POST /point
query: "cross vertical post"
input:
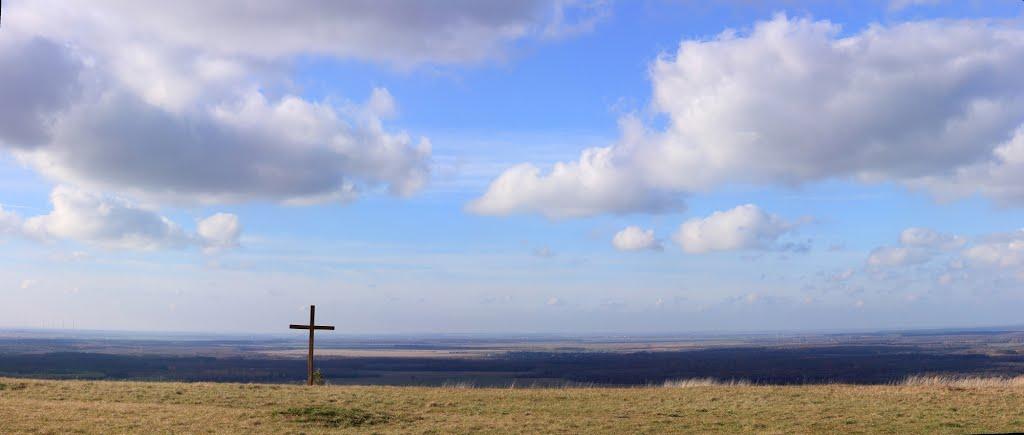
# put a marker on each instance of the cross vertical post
(309, 359)
(311, 327)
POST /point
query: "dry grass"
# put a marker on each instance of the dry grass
(36, 406)
(963, 381)
(705, 382)
(458, 385)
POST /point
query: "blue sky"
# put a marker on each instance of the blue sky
(783, 166)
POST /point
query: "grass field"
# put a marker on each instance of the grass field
(922, 406)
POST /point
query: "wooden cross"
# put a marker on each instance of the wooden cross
(312, 326)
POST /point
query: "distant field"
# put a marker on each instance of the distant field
(39, 406)
(880, 358)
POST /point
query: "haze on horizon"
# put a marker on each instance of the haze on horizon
(562, 166)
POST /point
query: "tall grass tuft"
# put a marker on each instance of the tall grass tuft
(705, 382)
(962, 381)
(318, 378)
(461, 385)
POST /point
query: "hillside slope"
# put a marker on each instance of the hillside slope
(38, 406)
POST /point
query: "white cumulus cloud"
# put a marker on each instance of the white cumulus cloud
(633, 238)
(111, 222)
(191, 101)
(220, 231)
(1004, 251)
(743, 227)
(595, 184)
(117, 223)
(916, 246)
(930, 104)
(928, 238)
(232, 143)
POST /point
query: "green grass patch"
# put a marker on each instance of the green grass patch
(13, 387)
(333, 416)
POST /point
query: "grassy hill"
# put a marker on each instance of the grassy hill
(42, 406)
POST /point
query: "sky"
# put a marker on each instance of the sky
(537, 166)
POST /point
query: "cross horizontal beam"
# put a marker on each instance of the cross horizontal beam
(329, 328)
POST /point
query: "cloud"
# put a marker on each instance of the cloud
(543, 252)
(898, 5)
(843, 275)
(988, 262)
(10, 222)
(634, 238)
(593, 185)
(1000, 177)
(109, 222)
(220, 231)
(38, 78)
(573, 17)
(291, 150)
(187, 139)
(929, 104)
(1004, 251)
(756, 299)
(927, 238)
(116, 223)
(743, 227)
(395, 32)
(121, 97)
(916, 246)
(893, 256)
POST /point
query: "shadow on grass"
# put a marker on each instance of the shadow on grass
(332, 416)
